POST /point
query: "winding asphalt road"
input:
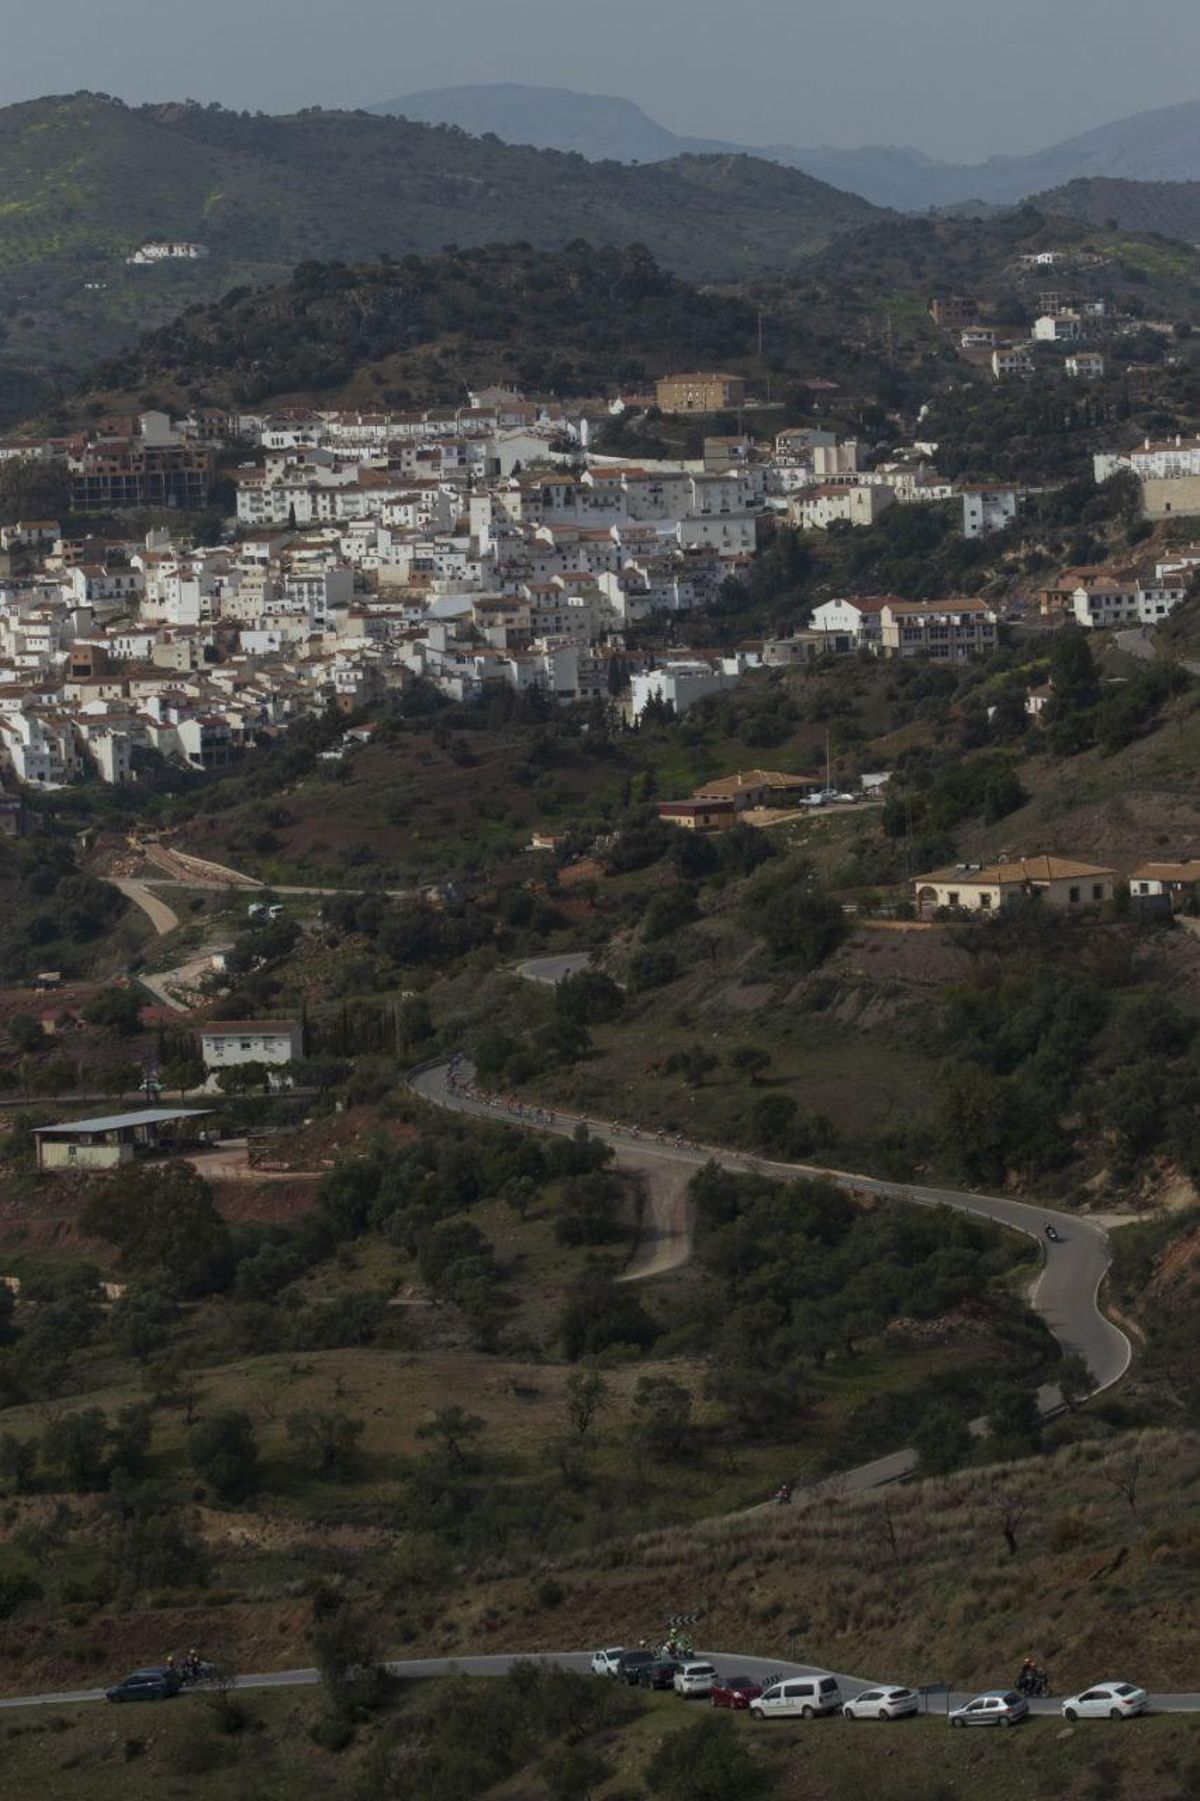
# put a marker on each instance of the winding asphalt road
(1066, 1296)
(1067, 1292)
(728, 1662)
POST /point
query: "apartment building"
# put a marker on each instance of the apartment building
(700, 393)
(949, 630)
(1011, 362)
(115, 474)
(952, 309)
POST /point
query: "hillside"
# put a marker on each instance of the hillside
(1171, 208)
(1162, 145)
(87, 180)
(585, 319)
(573, 321)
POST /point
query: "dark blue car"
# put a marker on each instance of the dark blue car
(158, 1682)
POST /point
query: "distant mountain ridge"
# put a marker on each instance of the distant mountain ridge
(1162, 145)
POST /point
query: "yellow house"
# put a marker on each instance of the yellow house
(757, 788)
(986, 887)
(698, 815)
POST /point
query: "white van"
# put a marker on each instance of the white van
(806, 1696)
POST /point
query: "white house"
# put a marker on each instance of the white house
(680, 684)
(987, 510)
(1104, 606)
(816, 509)
(851, 623)
(1085, 365)
(1152, 461)
(1057, 328)
(233, 1043)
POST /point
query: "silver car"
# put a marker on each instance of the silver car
(1004, 1707)
(882, 1704)
(1106, 1701)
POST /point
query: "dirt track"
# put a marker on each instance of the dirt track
(665, 1240)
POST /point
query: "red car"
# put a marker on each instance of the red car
(735, 1691)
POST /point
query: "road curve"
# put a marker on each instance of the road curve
(728, 1662)
(1067, 1292)
(1141, 645)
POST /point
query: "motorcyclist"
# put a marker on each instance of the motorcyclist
(1027, 1680)
(783, 1493)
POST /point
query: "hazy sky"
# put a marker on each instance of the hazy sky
(958, 78)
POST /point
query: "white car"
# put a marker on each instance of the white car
(695, 1679)
(604, 1663)
(882, 1704)
(1106, 1701)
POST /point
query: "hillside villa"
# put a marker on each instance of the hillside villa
(986, 887)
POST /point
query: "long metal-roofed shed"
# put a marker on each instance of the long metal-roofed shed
(120, 1138)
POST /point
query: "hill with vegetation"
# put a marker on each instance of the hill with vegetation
(87, 180)
(586, 319)
(572, 321)
(1170, 208)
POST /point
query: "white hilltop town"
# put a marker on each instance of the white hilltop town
(463, 546)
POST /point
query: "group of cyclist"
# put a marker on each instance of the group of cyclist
(190, 1667)
(459, 1086)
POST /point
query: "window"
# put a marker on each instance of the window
(1097, 891)
(1073, 897)
(952, 898)
(985, 901)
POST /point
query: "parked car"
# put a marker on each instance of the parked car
(802, 1696)
(604, 1663)
(659, 1674)
(1106, 1701)
(1004, 1708)
(630, 1664)
(158, 1682)
(735, 1691)
(694, 1679)
(882, 1704)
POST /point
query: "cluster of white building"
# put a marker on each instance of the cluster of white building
(465, 546)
